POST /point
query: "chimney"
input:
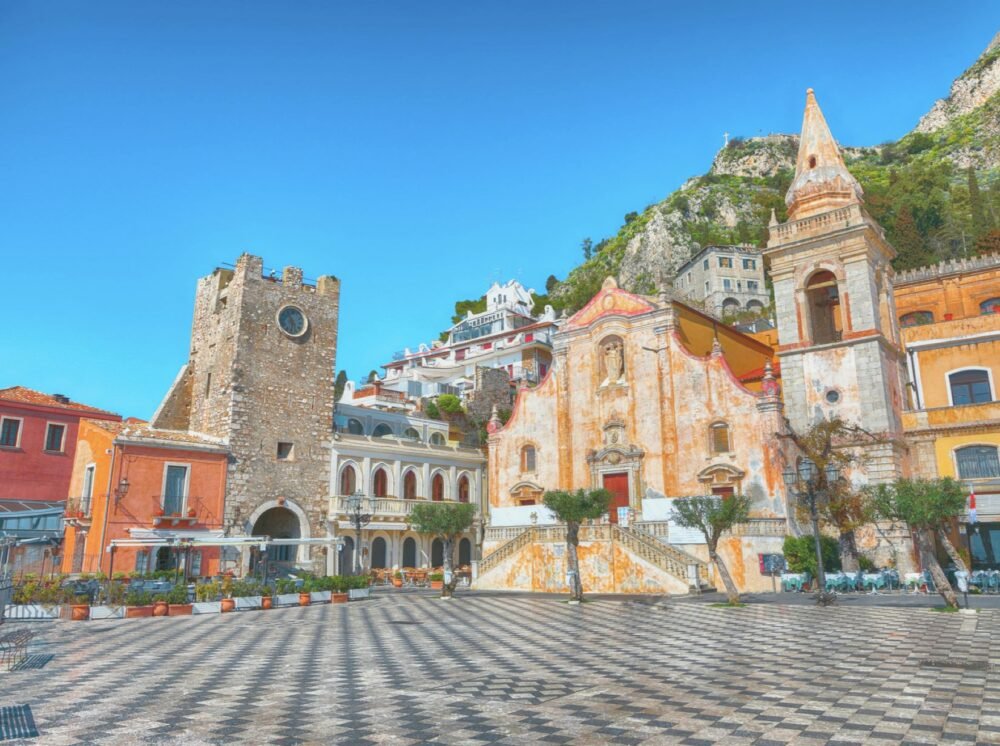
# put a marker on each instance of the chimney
(61, 398)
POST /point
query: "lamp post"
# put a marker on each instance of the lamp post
(807, 481)
(359, 510)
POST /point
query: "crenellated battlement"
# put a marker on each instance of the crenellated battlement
(947, 268)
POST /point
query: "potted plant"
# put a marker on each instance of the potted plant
(265, 601)
(287, 593)
(138, 604)
(358, 588)
(437, 580)
(79, 610)
(397, 579)
(191, 513)
(305, 597)
(178, 601)
(246, 594)
(320, 590)
(161, 606)
(114, 602)
(207, 599)
(340, 585)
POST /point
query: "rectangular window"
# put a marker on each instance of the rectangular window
(195, 568)
(88, 488)
(174, 488)
(749, 264)
(10, 432)
(970, 387)
(208, 384)
(727, 284)
(726, 262)
(142, 561)
(706, 286)
(285, 451)
(752, 286)
(54, 438)
(704, 264)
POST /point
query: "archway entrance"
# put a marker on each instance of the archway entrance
(409, 552)
(437, 553)
(378, 552)
(617, 485)
(464, 552)
(279, 523)
(346, 558)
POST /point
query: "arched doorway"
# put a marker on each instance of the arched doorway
(378, 552)
(347, 556)
(464, 552)
(437, 488)
(409, 552)
(463, 489)
(279, 523)
(437, 553)
(348, 480)
(410, 485)
(380, 483)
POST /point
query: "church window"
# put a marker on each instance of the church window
(720, 438)
(409, 486)
(528, 458)
(833, 396)
(824, 307)
(990, 306)
(916, 318)
(977, 462)
(970, 387)
(812, 161)
(380, 483)
(348, 480)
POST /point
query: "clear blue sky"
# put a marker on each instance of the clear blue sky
(417, 150)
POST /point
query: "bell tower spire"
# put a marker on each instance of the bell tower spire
(822, 181)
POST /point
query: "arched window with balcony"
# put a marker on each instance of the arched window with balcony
(354, 427)
(977, 462)
(437, 439)
(463, 489)
(916, 318)
(411, 434)
(970, 386)
(348, 480)
(410, 485)
(528, 458)
(382, 431)
(719, 438)
(823, 299)
(380, 482)
(437, 488)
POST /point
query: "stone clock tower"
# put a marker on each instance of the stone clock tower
(260, 375)
(839, 341)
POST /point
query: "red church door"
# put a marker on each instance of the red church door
(617, 485)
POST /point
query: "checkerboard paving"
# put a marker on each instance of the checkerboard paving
(411, 669)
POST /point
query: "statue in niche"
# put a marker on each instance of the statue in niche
(613, 361)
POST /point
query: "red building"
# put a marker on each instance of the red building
(38, 434)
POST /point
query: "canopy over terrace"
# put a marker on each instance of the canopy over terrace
(150, 539)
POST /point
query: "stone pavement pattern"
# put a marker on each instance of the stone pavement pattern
(411, 669)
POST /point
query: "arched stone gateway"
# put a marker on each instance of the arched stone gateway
(282, 519)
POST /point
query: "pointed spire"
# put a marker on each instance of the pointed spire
(822, 181)
(774, 219)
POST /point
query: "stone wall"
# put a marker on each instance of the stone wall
(492, 388)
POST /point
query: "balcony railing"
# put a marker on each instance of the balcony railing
(78, 509)
(384, 507)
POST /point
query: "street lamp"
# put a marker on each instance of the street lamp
(359, 511)
(804, 481)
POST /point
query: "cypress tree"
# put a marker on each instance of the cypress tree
(979, 224)
(908, 241)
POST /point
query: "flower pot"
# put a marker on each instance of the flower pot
(227, 604)
(437, 585)
(338, 598)
(181, 609)
(160, 608)
(265, 602)
(135, 612)
(304, 599)
(397, 582)
(79, 612)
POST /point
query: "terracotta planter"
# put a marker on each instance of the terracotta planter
(437, 585)
(134, 612)
(79, 612)
(265, 602)
(228, 604)
(397, 582)
(338, 598)
(160, 608)
(181, 609)
(304, 599)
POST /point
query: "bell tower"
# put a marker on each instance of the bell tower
(839, 341)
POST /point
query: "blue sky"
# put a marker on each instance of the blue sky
(417, 150)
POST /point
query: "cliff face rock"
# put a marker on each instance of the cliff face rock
(756, 157)
(973, 89)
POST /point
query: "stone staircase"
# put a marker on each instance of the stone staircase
(505, 550)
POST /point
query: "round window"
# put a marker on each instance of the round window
(833, 396)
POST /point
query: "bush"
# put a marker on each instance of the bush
(284, 586)
(435, 577)
(450, 404)
(800, 554)
(865, 564)
(432, 411)
(138, 598)
(207, 592)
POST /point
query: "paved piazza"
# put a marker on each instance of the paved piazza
(408, 669)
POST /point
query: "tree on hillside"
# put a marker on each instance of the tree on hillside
(928, 506)
(550, 283)
(587, 246)
(446, 521)
(908, 242)
(713, 516)
(338, 385)
(572, 508)
(989, 242)
(980, 224)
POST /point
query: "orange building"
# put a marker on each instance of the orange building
(131, 481)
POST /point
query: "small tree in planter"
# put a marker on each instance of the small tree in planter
(446, 521)
(927, 506)
(572, 508)
(712, 516)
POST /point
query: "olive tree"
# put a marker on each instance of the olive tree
(713, 516)
(446, 521)
(927, 506)
(572, 508)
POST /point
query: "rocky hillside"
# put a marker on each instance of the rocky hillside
(936, 191)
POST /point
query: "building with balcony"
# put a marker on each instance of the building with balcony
(506, 335)
(725, 280)
(397, 460)
(133, 481)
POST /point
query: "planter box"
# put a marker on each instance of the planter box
(247, 602)
(107, 612)
(32, 611)
(80, 612)
(206, 607)
(358, 594)
(135, 612)
(286, 599)
(319, 597)
(437, 585)
(338, 598)
(180, 610)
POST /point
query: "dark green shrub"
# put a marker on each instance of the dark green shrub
(800, 554)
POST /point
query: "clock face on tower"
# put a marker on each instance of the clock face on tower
(292, 321)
